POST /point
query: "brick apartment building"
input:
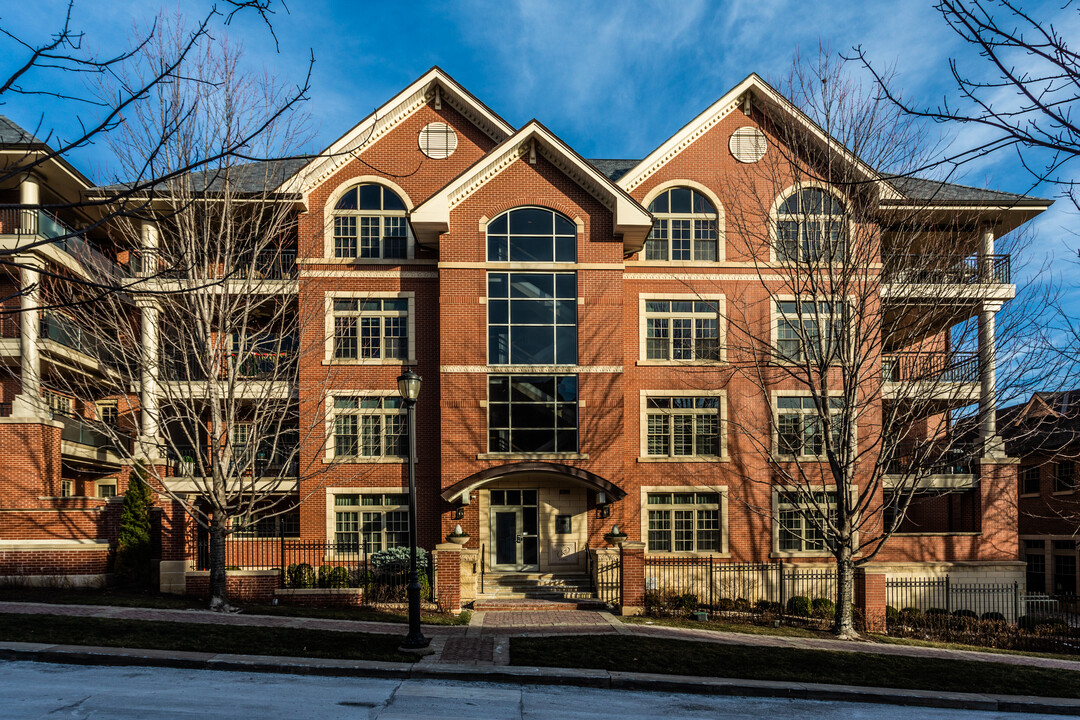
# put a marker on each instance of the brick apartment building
(562, 312)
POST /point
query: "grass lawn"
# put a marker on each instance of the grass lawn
(721, 626)
(685, 657)
(145, 634)
(369, 614)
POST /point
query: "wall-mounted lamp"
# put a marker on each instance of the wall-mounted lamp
(459, 513)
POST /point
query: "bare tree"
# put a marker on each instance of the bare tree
(209, 328)
(865, 294)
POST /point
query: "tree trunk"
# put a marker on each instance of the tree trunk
(219, 598)
(844, 626)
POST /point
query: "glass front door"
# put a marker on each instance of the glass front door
(515, 525)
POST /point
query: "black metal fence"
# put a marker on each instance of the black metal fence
(305, 565)
(942, 595)
(706, 583)
(605, 571)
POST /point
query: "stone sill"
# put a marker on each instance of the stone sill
(690, 459)
(532, 456)
(939, 534)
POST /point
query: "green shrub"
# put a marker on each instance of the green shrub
(767, 607)
(963, 613)
(892, 615)
(300, 576)
(333, 576)
(910, 613)
(688, 602)
(993, 616)
(726, 604)
(799, 605)
(822, 608)
(937, 611)
(742, 605)
(397, 559)
(132, 565)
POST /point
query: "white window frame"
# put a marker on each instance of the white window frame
(330, 213)
(778, 317)
(57, 402)
(776, 450)
(332, 414)
(111, 483)
(333, 508)
(775, 217)
(719, 219)
(330, 328)
(644, 411)
(1037, 471)
(67, 488)
(721, 507)
(643, 325)
(777, 509)
(102, 406)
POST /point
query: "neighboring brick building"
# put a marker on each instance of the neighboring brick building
(570, 320)
(1044, 433)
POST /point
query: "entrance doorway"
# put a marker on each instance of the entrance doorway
(515, 530)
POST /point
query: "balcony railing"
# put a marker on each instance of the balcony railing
(83, 431)
(185, 463)
(932, 460)
(264, 265)
(17, 221)
(937, 270)
(63, 330)
(954, 367)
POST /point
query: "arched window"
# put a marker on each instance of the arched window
(369, 222)
(531, 234)
(685, 227)
(810, 227)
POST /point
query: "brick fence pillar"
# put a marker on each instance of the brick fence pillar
(632, 578)
(870, 599)
(448, 576)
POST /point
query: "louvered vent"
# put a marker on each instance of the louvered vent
(748, 144)
(438, 140)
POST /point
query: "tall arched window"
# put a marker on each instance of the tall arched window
(810, 227)
(685, 227)
(531, 234)
(369, 222)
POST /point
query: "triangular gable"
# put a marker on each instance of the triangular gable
(434, 85)
(632, 221)
(770, 100)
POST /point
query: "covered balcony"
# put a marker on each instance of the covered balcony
(63, 245)
(938, 380)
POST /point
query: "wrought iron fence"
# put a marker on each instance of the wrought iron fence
(605, 572)
(306, 565)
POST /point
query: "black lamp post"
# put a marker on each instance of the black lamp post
(409, 388)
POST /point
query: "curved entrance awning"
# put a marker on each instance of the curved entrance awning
(565, 472)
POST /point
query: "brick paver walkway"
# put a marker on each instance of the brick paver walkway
(485, 641)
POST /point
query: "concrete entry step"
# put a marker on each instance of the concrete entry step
(534, 604)
(520, 591)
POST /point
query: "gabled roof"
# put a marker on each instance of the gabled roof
(13, 134)
(432, 217)
(254, 178)
(401, 106)
(768, 98)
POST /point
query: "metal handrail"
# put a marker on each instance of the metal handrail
(949, 270)
(930, 367)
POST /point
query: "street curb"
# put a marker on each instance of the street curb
(85, 655)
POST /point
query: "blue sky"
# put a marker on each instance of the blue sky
(613, 79)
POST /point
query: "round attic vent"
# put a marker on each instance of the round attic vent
(438, 140)
(748, 144)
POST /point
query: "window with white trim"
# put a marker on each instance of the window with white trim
(682, 426)
(107, 411)
(369, 222)
(1030, 480)
(268, 523)
(684, 522)
(371, 521)
(685, 227)
(60, 404)
(371, 329)
(67, 488)
(531, 234)
(810, 227)
(801, 519)
(682, 330)
(369, 426)
(799, 427)
(106, 488)
(1064, 477)
(805, 330)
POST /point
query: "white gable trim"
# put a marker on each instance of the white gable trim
(390, 115)
(720, 109)
(432, 217)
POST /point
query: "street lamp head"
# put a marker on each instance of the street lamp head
(408, 386)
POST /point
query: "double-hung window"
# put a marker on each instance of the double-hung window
(1030, 480)
(682, 329)
(372, 521)
(682, 426)
(800, 430)
(685, 227)
(802, 521)
(531, 414)
(371, 329)
(1064, 479)
(684, 522)
(369, 222)
(369, 426)
(806, 330)
(810, 228)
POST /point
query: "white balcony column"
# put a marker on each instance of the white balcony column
(29, 403)
(150, 241)
(29, 194)
(986, 253)
(991, 442)
(148, 379)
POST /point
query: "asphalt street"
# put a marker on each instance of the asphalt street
(41, 690)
